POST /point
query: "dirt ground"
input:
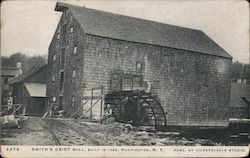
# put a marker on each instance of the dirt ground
(55, 131)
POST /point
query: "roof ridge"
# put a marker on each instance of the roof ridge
(134, 29)
(162, 23)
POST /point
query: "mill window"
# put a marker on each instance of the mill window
(54, 99)
(71, 29)
(54, 57)
(74, 73)
(75, 50)
(60, 100)
(58, 35)
(139, 67)
(61, 80)
(73, 100)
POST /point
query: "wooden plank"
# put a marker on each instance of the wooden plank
(80, 107)
(90, 108)
(15, 110)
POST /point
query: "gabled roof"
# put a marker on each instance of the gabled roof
(36, 89)
(26, 74)
(9, 71)
(132, 29)
(237, 92)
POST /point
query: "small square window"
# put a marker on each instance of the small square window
(71, 29)
(58, 35)
(74, 73)
(73, 100)
(75, 50)
(139, 66)
(54, 57)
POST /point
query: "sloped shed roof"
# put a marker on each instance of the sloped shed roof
(26, 74)
(238, 91)
(36, 89)
(127, 28)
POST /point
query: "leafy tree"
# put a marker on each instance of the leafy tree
(240, 71)
(236, 67)
(27, 61)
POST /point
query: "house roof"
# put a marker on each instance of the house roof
(26, 74)
(237, 92)
(132, 29)
(9, 71)
(36, 89)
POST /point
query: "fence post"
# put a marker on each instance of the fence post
(91, 102)
(102, 96)
(138, 105)
(14, 109)
(24, 109)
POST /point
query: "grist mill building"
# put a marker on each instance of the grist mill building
(184, 71)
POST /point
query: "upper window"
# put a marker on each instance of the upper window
(139, 66)
(61, 80)
(75, 50)
(74, 73)
(71, 29)
(73, 100)
(58, 35)
(54, 57)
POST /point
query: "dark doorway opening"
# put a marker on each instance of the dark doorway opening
(60, 103)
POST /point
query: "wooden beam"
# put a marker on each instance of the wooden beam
(80, 107)
(91, 102)
(15, 110)
(102, 95)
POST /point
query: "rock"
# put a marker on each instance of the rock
(9, 121)
(167, 134)
(153, 143)
(145, 138)
(159, 144)
(185, 142)
(141, 133)
(166, 141)
(205, 142)
(128, 127)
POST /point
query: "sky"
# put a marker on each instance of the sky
(28, 26)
